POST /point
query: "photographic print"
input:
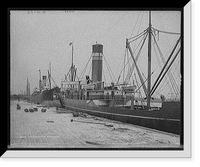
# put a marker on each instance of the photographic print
(91, 80)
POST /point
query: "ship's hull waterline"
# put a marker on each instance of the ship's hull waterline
(165, 119)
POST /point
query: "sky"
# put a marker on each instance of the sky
(40, 37)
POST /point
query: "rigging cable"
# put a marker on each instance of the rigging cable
(104, 75)
(130, 57)
(138, 71)
(109, 70)
(166, 32)
(153, 90)
(166, 79)
(89, 70)
(53, 80)
(146, 79)
(138, 28)
(163, 60)
(138, 31)
(112, 26)
(171, 78)
(166, 84)
(137, 57)
(143, 82)
(137, 36)
(136, 23)
(173, 74)
(83, 72)
(140, 94)
(124, 64)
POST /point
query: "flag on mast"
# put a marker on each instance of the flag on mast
(70, 43)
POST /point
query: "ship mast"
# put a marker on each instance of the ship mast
(72, 68)
(149, 64)
(148, 89)
(40, 82)
(72, 53)
(49, 75)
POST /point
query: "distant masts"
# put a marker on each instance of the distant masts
(28, 88)
(40, 82)
(72, 69)
(49, 75)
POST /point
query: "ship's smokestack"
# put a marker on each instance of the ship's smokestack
(44, 81)
(97, 51)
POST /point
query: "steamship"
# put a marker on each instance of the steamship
(123, 102)
(44, 95)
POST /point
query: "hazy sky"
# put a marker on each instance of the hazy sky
(40, 37)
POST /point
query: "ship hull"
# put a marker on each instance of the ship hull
(46, 95)
(166, 119)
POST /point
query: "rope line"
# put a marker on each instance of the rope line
(171, 78)
(112, 26)
(137, 57)
(83, 72)
(166, 32)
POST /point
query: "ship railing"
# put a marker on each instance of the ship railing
(173, 97)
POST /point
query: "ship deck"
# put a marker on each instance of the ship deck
(59, 129)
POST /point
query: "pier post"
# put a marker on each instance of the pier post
(132, 102)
